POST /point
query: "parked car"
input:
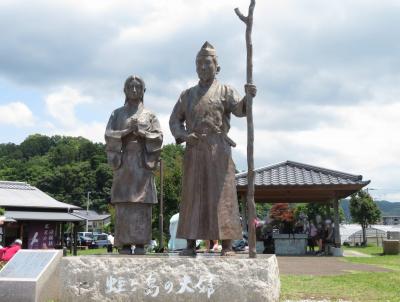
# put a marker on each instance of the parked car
(86, 241)
(100, 240)
(86, 234)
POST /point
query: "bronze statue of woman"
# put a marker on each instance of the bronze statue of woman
(133, 144)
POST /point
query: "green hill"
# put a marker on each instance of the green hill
(387, 208)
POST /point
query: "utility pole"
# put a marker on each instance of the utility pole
(87, 211)
(161, 214)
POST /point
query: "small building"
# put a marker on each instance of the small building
(391, 220)
(94, 222)
(33, 216)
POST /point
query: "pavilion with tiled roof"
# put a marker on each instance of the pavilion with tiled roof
(294, 182)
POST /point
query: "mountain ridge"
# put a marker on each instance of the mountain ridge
(387, 208)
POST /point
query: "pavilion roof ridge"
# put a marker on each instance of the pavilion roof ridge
(306, 167)
(16, 194)
(16, 185)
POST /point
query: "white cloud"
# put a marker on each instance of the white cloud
(61, 105)
(16, 114)
(327, 72)
(364, 141)
(387, 196)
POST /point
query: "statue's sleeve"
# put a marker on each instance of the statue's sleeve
(177, 121)
(235, 103)
(153, 138)
(111, 132)
(113, 143)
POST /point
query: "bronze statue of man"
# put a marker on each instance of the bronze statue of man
(133, 144)
(201, 118)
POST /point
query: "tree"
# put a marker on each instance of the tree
(262, 210)
(35, 144)
(282, 216)
(11, 151)
(364, 211)
(172, 156)
(313, 209)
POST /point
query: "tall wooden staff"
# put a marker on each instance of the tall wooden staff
(250, 130)
(161, 214)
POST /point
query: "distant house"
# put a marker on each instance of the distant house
(33, 216)
(391, 220)
(94, 222)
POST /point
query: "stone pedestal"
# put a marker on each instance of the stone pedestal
(290, 244)
(169, 278)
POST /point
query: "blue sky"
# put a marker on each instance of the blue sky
(327, 72)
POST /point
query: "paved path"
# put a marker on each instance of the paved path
(350, 253)
(320, 266)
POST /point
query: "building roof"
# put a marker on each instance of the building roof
(6, 219)
(291, 181)
(42, 216)
(297, 174)
(21, 194)
(90, 215)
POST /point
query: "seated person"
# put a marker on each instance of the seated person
(8, 252)
(312, 237)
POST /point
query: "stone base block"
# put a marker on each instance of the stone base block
(391, 247)
(169, 278)
(290, 244)
(336, 252)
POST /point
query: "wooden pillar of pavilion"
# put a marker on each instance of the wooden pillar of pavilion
(75, 240)
(336, 221)
(244, 212)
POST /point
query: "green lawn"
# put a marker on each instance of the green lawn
(98, 251)
(372, 250)
(387, 261)
(355, 286)
(390, 262)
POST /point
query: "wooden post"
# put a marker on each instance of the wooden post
(21, 232)
(71, 237)
(161, 214)
(62, 235)
(244, 212)
(250, 130)
(75, 252)
(336, 221)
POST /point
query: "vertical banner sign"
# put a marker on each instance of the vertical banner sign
(41, 235)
